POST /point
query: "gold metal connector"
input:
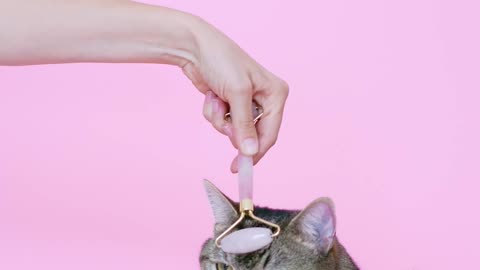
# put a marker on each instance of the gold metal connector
(243, 214)
(246, 205)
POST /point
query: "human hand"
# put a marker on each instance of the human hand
(231, 80)
(141, 33)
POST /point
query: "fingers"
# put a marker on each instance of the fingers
(219, 109)
(269, 125)
(207, 105)
(240, 101)
(251, 140)
(268, 129)
(214, 110)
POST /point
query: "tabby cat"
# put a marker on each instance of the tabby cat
(307, 240)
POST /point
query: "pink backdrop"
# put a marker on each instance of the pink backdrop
(383, 117)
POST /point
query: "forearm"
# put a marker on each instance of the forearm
(49, 31)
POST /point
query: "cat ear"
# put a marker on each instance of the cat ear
(223, 208)
(315, 225)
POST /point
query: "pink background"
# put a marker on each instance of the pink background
(383, 117)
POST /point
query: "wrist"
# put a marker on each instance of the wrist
(156, 34)
(174, 36)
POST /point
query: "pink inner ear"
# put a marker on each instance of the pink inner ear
(318, 224)
(223, 210)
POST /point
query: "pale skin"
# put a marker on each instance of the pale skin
(121, 31)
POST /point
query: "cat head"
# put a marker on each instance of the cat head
(307, 240)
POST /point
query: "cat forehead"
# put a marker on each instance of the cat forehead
(271, 214)
(279, 254)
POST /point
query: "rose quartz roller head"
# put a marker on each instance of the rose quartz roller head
(249, 239)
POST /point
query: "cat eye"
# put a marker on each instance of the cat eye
(222, 266)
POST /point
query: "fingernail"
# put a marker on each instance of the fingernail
(228, 130)
(208, 110)
(215, 106)
(234, 167)
(208, 105)
(209, 96)
(249, 147)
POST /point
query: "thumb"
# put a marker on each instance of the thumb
(244, 130)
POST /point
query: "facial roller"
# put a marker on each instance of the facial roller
(248, 239)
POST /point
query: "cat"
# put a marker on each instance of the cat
(307, 240)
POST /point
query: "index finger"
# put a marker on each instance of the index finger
(245, 134)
